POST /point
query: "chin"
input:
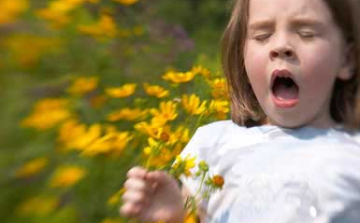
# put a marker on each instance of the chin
(290, 124)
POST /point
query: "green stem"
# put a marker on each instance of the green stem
(148, 162)
(201, 184)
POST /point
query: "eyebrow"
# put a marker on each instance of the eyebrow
(301, 22)
(265, 24)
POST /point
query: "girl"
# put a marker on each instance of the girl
(293, 73)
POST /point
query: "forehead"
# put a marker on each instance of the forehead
(285, 9)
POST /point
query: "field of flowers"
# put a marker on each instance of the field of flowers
(90, 88)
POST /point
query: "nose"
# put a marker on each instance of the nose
(282, 49)
(282, 53)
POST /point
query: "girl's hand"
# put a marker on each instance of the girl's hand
(152, 196)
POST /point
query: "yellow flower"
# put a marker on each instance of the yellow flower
(112, 141)
(151, 129)
(181, 135)
(105, 27)
(67, 176)
(47, 113)
(183, 166)
(73, 135)
(39, 205)
(201, 70)
(83, 85)
(179, 77)
(58, 11)
(36, 47)
(192, 104)
(166, 112)
(11, 9)
(155, 90)
(158, 155)
(57, 19)
(127, 2)
(127, 114)
(32, 167)
(112, 220)
(220, 108)
(219, 89)
(191, 218)
(121, 92)
(115, 198)
(152, 147)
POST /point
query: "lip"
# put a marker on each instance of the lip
(289, 103)
(281, 73)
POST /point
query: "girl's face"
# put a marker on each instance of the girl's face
(293, 54)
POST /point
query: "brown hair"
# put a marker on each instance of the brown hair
(246, 110)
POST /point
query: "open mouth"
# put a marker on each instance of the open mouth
(284, 89)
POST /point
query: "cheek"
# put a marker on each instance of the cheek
(324, 65)
(255, 65)
(319, 72)
(322, 59)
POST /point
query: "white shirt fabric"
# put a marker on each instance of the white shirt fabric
(278, 175)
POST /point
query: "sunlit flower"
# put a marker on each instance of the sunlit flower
(155, 90)
(181, 134)
(105, 27)
(183, 166)
(192, 104)
(158, 155)
(112, 141)
(40, 205)
(127, 114)
(83, 85)
(126, 2)
(179, 77)
(153, 145)
(220, 108)
(166, 112)
(191, 218)
(32, 167)
(11, 9)
(124, 91)
(47, 113)
(73, 135)
(201, 70)
(58, 11)
(219, 89)
(146, 128)
(67, 176)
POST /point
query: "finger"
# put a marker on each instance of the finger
(135, 197)
(130, 210)
(136, 184)
(137, 172)
(159, 177)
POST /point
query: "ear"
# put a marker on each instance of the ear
(348, 67)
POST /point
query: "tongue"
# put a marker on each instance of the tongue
(284, 92)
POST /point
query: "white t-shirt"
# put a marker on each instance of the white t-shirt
(278, 175)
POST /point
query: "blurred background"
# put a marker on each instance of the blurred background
(89, 88)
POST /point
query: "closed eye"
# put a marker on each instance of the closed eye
(306, 34)
(262, 37)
